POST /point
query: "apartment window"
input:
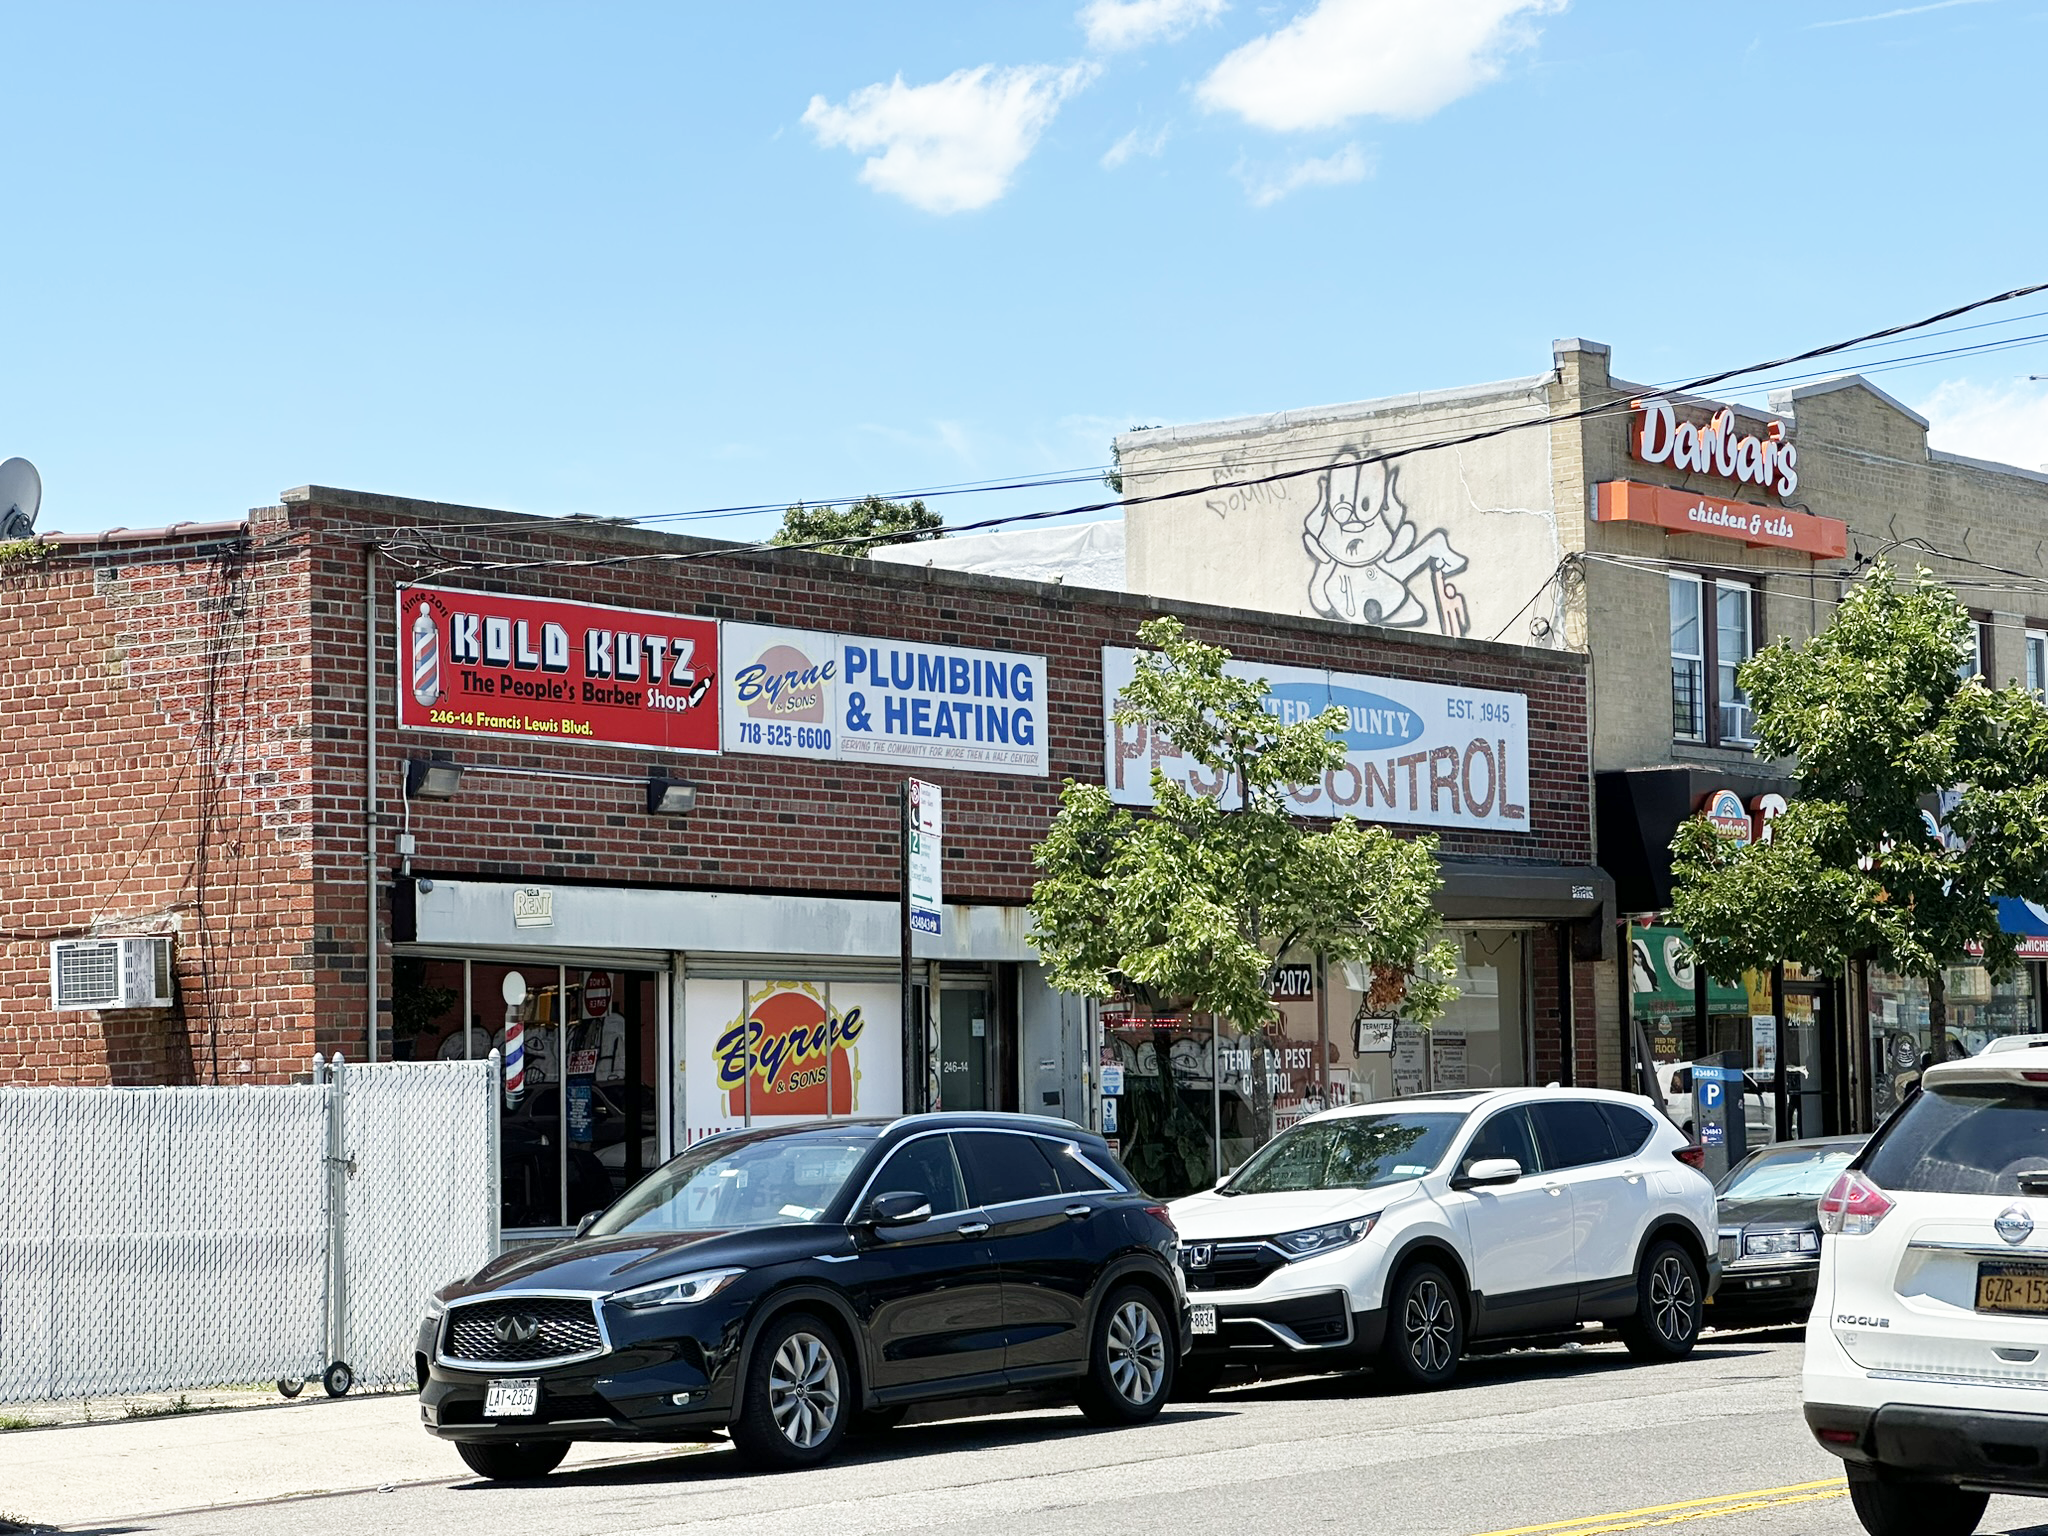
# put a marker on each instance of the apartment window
(1979, 664)
(2037, 664)
(1713, 632)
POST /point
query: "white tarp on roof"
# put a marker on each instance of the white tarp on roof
(1079, 554)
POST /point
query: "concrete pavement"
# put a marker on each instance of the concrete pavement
(1566, 1443)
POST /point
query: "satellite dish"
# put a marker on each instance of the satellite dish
(21, 493)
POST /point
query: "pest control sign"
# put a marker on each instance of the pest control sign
(1417, 753)
(851, 698)
(496, 665)
(927, 894)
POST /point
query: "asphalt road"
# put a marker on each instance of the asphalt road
(1562, 1443)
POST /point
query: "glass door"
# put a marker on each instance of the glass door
(967, 1021)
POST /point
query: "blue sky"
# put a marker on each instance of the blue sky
(643, 260)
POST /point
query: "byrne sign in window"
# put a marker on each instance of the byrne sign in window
(498, 665)
(1418, 754)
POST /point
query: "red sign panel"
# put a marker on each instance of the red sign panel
(554, 671)
(1628, 501)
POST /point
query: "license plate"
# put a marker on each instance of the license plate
(512, 1397)
(1202, 1319)
(2008, 1287)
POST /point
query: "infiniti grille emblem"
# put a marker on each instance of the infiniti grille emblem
(1199, 1255)
(516, 1328)
(2013, 1224)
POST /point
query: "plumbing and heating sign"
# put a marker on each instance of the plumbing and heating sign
(1417, 754)
(802, 693)
(533, 667)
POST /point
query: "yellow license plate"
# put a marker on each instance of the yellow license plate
(2012, 1287)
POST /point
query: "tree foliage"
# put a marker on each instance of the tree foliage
(1882, 724)
(858, 523)
(1201, 897)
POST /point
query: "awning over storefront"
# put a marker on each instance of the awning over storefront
(1579, 894)
(2029, 920)
(1638, 811)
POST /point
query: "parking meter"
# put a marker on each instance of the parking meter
(1717, 1088)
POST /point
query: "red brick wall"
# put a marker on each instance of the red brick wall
(158, 768)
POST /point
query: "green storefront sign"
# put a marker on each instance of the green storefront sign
(1661, 972)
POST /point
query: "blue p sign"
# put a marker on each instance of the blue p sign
(1711, 1091)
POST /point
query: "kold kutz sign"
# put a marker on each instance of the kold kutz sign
(558, 671)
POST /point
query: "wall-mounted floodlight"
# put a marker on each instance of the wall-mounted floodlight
(666, 797)
(431, 778)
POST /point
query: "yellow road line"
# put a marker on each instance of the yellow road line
(1689, 1509)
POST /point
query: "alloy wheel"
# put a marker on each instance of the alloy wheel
(1137, 1353)
(803, 1390)
(1672, 1299)
(1430, 1320)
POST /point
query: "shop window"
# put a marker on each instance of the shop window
(2037, 664)
(1902, 1038)
(1713, 632)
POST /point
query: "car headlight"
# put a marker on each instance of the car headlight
(1805, 1240)
(1322, 1239)
(678, 1291)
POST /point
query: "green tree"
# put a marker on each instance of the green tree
(858, 523)
(1883, 723)
(1200, 898)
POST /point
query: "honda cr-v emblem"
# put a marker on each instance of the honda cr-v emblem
(2013, 1224)
(1199, 1255)
(516, 1328)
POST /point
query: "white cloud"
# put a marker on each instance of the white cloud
(1113, 25)
(1349, 164)
(1136, 142)
(2007, 423)
(1378, 58)
(953, 145)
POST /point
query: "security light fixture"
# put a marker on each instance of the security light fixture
(665, 797)
(432, 778)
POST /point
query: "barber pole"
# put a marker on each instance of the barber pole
(515, 1058)
(426, 658)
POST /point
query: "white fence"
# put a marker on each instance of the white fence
(154, 1239)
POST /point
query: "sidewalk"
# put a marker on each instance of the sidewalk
(107, 1472)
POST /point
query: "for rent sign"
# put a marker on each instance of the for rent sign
(526, 666)
(1415, 753)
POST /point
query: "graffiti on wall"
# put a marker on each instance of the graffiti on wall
(1370, 563)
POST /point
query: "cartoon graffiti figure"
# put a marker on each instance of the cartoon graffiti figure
(1368, 555)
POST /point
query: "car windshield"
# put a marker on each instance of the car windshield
(727, 1182)
(1794, 1173)
(1355, 1152)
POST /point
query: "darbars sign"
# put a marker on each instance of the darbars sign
(497, 665)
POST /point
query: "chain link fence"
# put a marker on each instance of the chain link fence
(158, 1239)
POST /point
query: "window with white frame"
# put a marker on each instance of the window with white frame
(2037, 664)
(1979, 664)
(1713, 632)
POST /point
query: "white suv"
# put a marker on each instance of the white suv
(1927, 1349)
(1399, 1233)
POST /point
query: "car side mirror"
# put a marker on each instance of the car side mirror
(589, 1220)
(1488, 1171)
(898, 1208)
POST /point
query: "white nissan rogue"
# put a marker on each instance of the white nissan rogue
(1398, 1233)
(1927, 1349)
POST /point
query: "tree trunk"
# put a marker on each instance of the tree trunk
(1937, 1014)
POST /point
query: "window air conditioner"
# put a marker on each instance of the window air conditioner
(111, 973)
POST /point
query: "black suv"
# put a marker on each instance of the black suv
(792, 1284)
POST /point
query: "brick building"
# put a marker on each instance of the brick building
(193, 744)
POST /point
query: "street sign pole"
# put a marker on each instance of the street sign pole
(913, 1026)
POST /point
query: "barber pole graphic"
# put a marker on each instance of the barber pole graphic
(515, 1058)
(426, 658)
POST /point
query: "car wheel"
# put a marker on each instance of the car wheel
(1668, 1305)
(1888, 1508)
(513, 1461)
(1425, 1328)
(798, 1394)
(1196, 1377)
(1131, 1364)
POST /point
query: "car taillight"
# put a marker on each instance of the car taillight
(1164, 1215)
(1692, 1157)
(1854, 1206)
